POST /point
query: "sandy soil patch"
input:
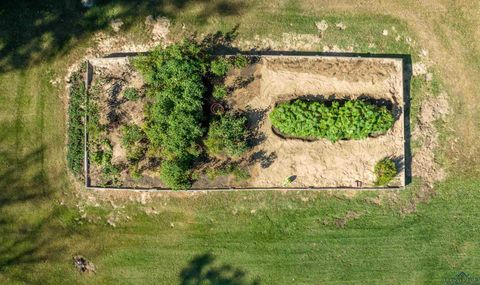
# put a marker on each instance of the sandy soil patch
(321, 163)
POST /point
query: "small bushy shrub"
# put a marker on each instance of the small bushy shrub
(220, 66)
(131, 94)
(241, 174)
(240, 61)
(219, 92)
(176, 174)
(131, 134)
(132, 140)
(385, 170)
(341, 120)
(227, 136)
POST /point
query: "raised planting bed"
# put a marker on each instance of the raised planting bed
(235, 144)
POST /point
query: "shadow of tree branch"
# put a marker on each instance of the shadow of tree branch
(35, 31)
(202, 270)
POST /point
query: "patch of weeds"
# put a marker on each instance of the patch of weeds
(220, 66)
(131, 94)
(385, 170)
(134, 142)
(219, 92)
(240, 61)
(240, 173)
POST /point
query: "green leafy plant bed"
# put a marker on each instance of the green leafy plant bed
(335, 120)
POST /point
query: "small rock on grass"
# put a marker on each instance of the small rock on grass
(322, 26)
(341, 26)
(385, 32)
(83, 265)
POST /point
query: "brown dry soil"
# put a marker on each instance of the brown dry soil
(254, 91)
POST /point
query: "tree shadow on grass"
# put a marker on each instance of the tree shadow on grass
(35, 31)
(202, 270)
(30, 232)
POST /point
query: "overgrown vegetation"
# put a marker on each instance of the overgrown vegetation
(133, 140)
(335, 121)
(227, 136)
(219, 92)
(220, 66)
(385, 170)
(238, 172)
(76, 131)
(174, 121)
(100, 148)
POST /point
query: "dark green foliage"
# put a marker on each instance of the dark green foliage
(174, 76)
(341, 120)
(385, 170)
(220, 66)
(176, 173)
(76, 131)
(227, 136)
(131, 94)
(219, 92)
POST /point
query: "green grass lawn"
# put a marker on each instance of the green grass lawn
(244, 237)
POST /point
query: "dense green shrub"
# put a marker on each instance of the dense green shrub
(340, 120)
(385, 170)
(220, 66)
(227, 136)
(174, 76)
(176, 173)
(131, 94)
(76, 132)
(219, 92)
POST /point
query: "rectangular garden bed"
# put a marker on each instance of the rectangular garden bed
(272, 161)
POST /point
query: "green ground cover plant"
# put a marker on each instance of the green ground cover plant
(385, 170)
(335, 121)
(76, 126)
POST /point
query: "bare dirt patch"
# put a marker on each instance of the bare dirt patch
(320, 163)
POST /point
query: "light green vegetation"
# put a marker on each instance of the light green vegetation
(338, 120)
(385, 170)
(324, 238)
